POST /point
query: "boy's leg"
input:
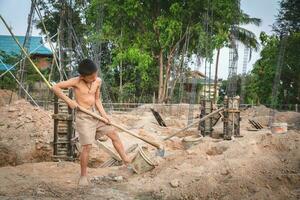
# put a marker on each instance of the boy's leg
(118, 146)
(84, 158)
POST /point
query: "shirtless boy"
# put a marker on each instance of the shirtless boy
(87, 94)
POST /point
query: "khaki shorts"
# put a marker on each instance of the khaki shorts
(90, 128)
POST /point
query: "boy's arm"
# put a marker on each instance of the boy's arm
(99, 104)
(57, 89)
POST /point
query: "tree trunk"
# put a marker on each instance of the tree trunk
(161, 77)
(216, 76)
(121, 83)
(166, 81)
(173, 88)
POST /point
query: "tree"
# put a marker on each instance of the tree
(288, 19)
(263, 73)
(7, 81)
(234, 32)
(161, 28)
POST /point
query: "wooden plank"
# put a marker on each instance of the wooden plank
(158, 118)
(192, 124)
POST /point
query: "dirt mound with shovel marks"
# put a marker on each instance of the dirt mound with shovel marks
(25, 133)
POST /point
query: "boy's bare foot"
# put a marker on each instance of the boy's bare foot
(127, 161)
(83, 181)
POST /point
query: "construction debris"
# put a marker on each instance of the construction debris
(255, 124)
(158, 118)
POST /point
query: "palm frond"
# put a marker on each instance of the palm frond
(246, 19)
(246, 37)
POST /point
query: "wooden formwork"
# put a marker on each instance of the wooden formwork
(64, 132)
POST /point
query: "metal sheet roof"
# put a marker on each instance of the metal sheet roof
(9, 46)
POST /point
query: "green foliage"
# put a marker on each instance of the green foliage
(51, 17)
(288, 18)
(137, 31)
(141, 40)
(261, 80)
(7, 81)
(260, 83)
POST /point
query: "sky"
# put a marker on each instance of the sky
(15, 13)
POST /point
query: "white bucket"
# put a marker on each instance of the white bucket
(189, 141)
(141, 162)
(279, 128)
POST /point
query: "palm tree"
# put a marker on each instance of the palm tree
(242, 35)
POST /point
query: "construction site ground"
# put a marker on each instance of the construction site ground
(260, 165)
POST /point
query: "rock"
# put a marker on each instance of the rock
(268, 186)
(60, 164)
(174, 183)
(40, 191)
(39, 146)
(12, 109)
(118, 178)
(191, 151)
(269, 134)
(29, 117)
(225, 172)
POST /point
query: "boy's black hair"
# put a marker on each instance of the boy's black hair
(87, 67)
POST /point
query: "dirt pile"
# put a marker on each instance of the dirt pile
(7, 97)
(262, 115)
(168, 109)
(25, 133)
(258, 166)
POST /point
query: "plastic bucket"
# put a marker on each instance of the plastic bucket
(141, 162)
(189, 141)
(279, 128)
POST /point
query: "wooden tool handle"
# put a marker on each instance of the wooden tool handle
(196, 122)
(120, 127)
(137, 136)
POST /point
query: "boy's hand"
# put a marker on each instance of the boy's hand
(72, 104)
(107, 121)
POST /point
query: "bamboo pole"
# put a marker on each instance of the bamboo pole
(24, 51)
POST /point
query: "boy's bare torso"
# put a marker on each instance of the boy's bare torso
(86, 93)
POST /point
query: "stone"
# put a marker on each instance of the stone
(118, 178)
(174, 183)
(29, 117)
(225, 172)
(12, 109)
(60, 164)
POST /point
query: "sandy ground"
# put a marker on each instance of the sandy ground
(259, 165)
